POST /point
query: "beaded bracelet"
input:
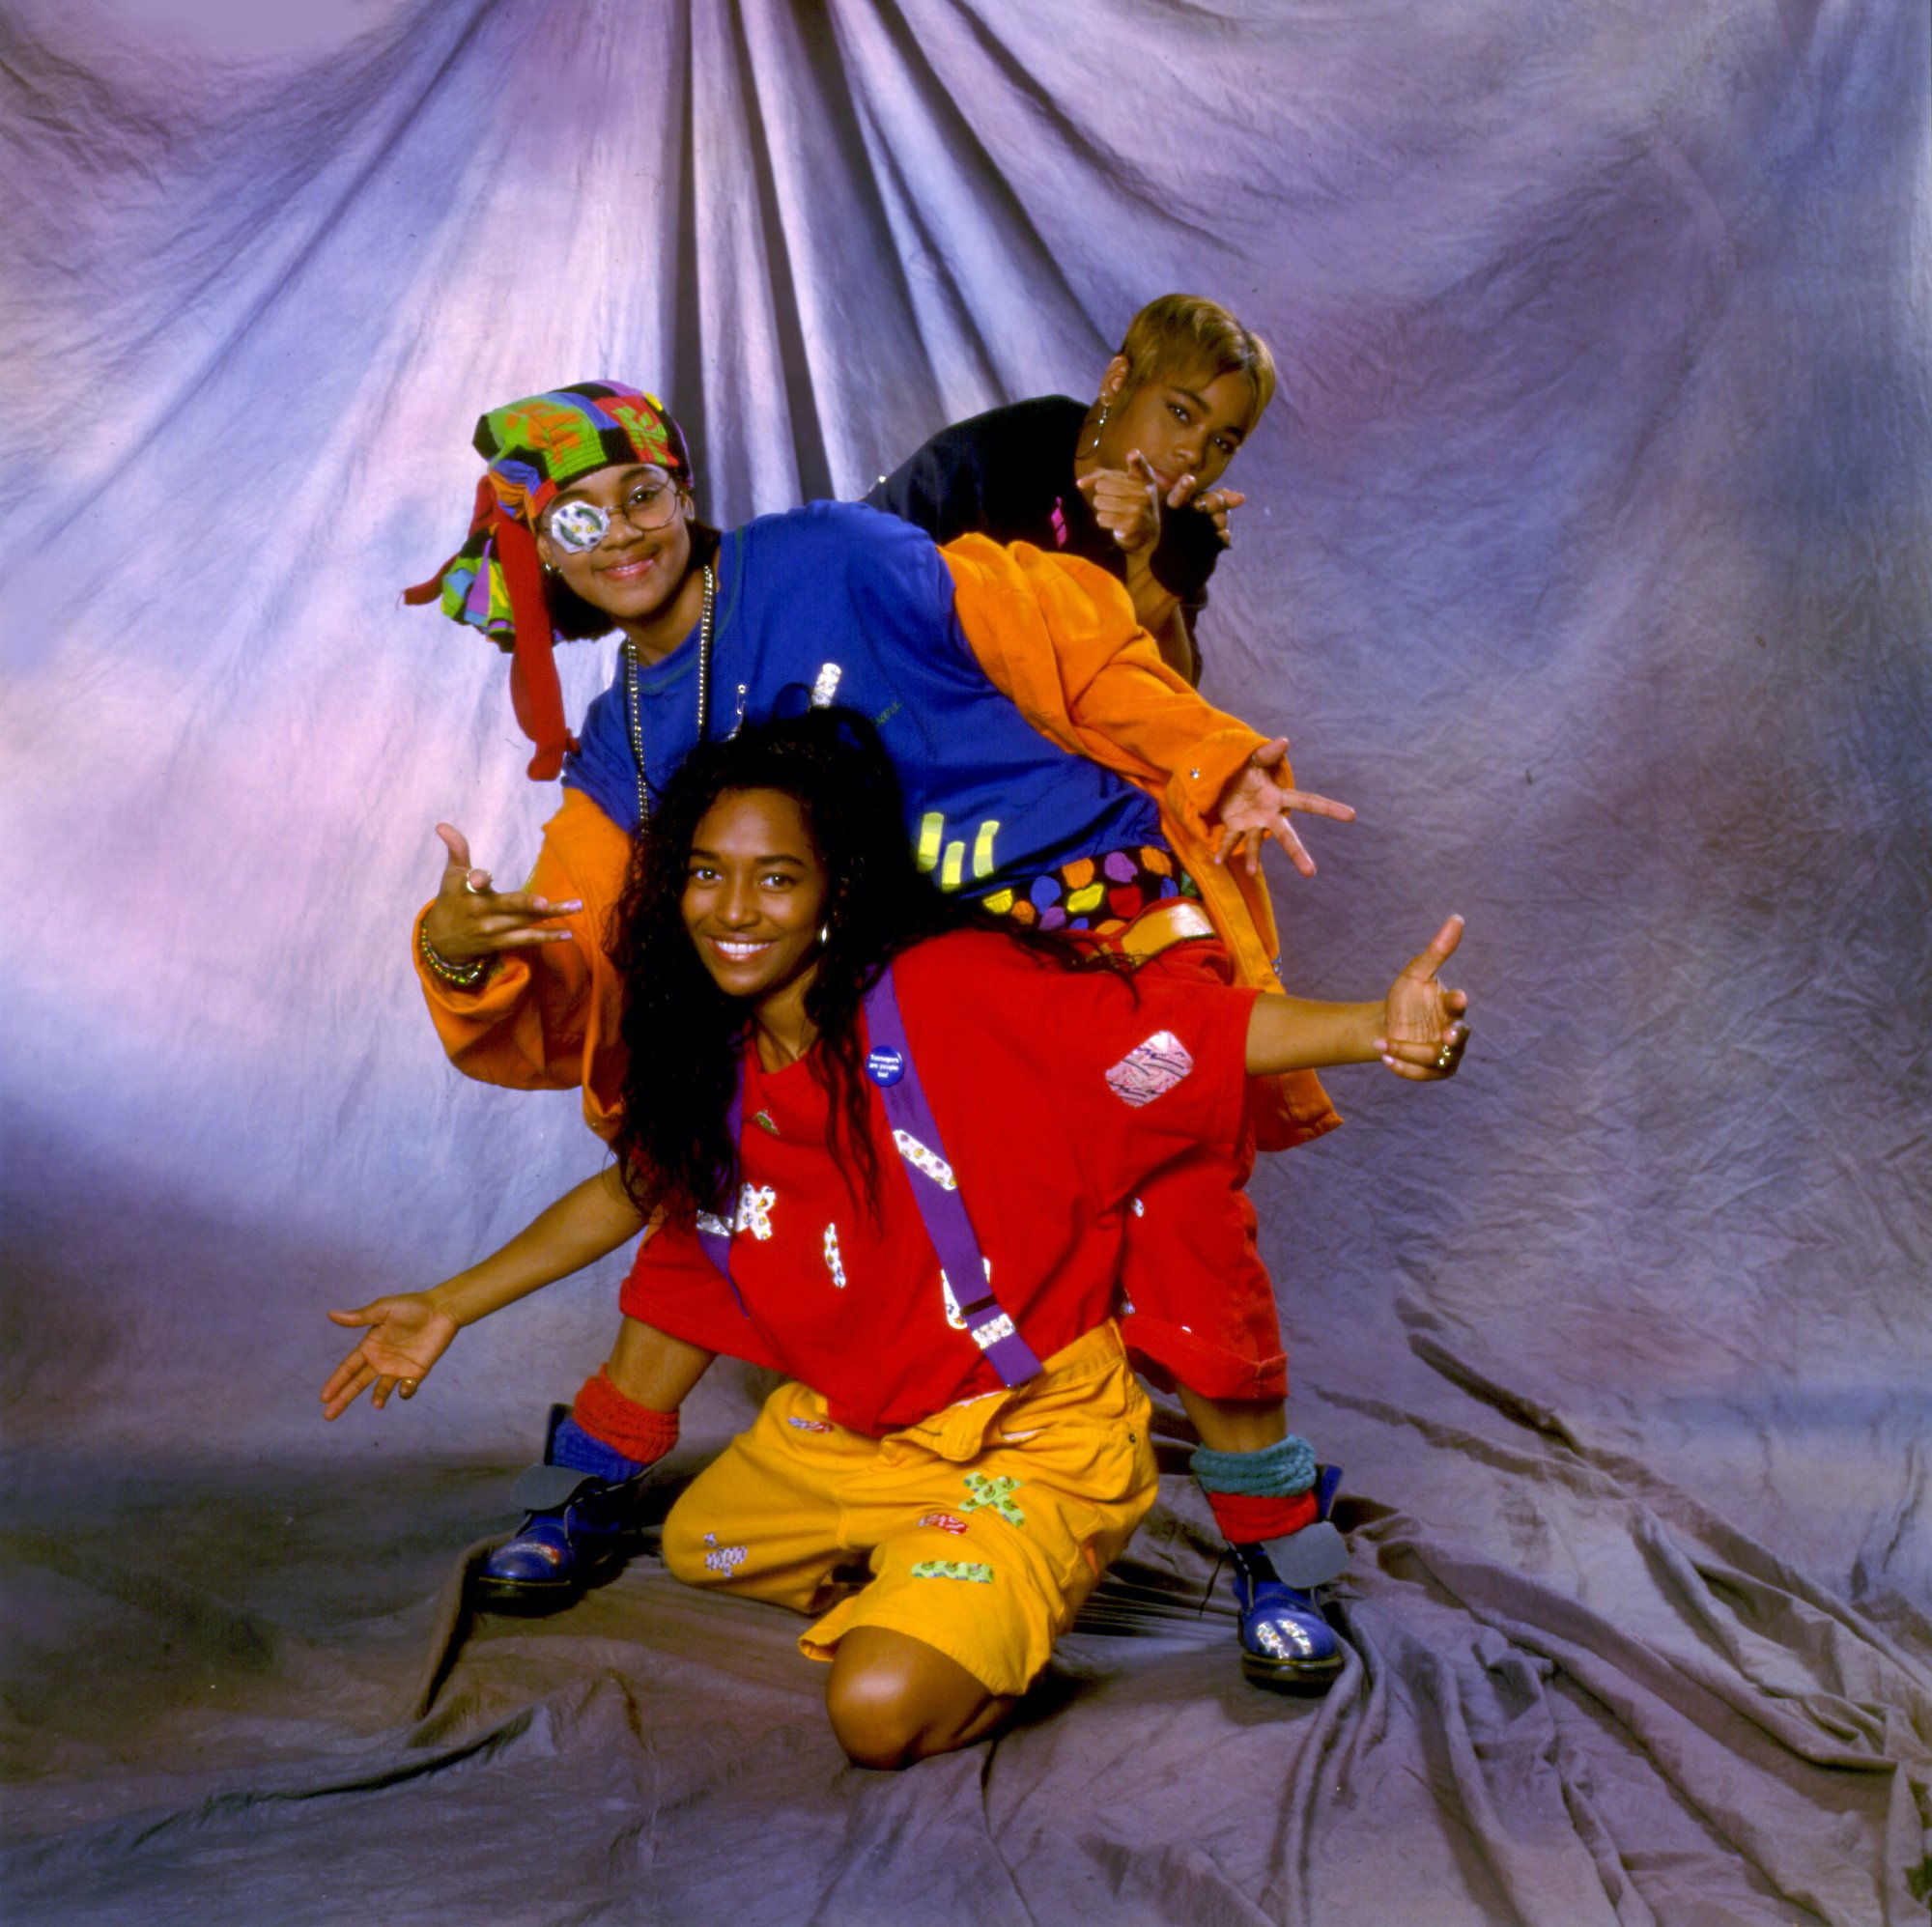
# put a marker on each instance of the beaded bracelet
(460, 976)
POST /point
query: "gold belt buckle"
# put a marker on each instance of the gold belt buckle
(1178, 920)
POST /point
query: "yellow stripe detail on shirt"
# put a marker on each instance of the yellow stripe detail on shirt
(931, 828)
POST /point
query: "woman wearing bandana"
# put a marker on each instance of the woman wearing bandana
(1129, 482)
(1052, 767)
(890, 1149)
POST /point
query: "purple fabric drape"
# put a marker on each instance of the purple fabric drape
(1586, 551)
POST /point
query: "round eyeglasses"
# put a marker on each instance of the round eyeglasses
(580, 526)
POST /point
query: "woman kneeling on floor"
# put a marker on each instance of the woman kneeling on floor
(889, 1147)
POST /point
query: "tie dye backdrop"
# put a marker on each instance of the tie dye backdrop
(1587, 552)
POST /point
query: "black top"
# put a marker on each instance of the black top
(1008, 473)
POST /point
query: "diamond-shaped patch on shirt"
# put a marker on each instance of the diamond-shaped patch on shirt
(1150, 1068)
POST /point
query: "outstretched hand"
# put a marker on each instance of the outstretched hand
(1422, 1036)
(1126, 502)
(1254, 805)
(408, 1334)
(471, 918)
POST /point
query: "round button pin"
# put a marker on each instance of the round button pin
(885, 1066)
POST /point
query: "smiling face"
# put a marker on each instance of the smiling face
(1184, 424)
(634, 568)
(754, 894)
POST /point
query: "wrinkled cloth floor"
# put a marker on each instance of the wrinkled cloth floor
(1584, 1700)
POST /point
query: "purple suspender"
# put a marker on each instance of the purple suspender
(891, 1066)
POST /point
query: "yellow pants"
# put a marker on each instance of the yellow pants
(982, 1529)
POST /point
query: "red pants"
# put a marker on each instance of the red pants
(1200, 1304)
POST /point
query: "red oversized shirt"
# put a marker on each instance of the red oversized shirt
(1055, 1093)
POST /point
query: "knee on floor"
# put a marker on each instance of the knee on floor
(880, 1717)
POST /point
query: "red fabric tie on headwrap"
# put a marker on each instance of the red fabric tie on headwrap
(536, 695)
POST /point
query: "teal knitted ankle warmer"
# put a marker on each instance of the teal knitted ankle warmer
(1275, 1471)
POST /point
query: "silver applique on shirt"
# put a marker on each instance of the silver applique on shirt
(955, 1317)
(753, 1215)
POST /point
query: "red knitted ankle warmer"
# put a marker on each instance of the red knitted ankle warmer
(1247, 1518)
(621, 1423)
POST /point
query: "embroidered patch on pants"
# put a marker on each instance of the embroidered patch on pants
(1150, 1068)
(725, 1559)
(993, 1495)
(953, 1568)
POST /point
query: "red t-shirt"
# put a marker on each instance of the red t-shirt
(1055, 1093)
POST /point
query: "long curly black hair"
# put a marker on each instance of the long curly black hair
(684, 1035)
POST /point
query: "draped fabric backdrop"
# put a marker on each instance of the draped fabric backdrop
(1586, 551)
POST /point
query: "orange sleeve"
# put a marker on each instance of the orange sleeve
(1058, 635)
(1059, 638)
(546, 1018)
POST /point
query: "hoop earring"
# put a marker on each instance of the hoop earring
(1099, 423)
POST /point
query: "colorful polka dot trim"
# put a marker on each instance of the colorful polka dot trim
(1096, 893)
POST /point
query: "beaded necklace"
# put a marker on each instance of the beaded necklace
(637, 716)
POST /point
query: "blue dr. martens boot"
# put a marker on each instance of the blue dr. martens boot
(1286, 1642)
(580, 1509)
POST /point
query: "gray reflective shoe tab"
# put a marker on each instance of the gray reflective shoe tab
(548, 1489)
(1309, 1558)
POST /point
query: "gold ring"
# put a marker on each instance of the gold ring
(474, 890)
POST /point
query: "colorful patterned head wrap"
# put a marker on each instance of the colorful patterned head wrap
(535, 448)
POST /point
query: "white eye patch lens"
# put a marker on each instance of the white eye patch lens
(578, 526)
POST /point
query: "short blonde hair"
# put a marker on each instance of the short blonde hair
(1188, 335)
